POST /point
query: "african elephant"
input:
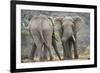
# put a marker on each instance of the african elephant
(68, 27)
(41, 31)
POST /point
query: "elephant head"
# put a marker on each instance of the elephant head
(68, 26)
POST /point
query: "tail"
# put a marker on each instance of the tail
(42, 38)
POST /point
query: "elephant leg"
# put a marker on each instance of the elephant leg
(64, 50)
(47, 34)
(45, 53)
(76, 56)
(55, 48)
(75, 51)
(64, 54)
(51, 57)
(38, 42)
(40, 53)
(71, 39)
(42, 58)
(33, 52)
(70, 49)
(48, 48)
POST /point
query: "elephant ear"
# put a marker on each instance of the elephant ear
(60, 18)
(58, 24)
(58, 21)
(78, 21)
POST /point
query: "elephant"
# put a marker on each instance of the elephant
(68, 26)
(41, 30)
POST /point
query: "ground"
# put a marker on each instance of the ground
(85, 55)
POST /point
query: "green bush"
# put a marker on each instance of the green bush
(24, 34)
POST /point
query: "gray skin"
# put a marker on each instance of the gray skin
(68, 27)
(41, 31)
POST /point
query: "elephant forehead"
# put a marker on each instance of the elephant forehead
(68, 19)
(67, 24)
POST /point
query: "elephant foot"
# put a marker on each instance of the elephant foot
(42, 59)
(67, 58)
(45, 58)
(32, 60)
(51, 58)
(76, 57)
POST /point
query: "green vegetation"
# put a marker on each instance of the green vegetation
(24, 34)
(55, 36)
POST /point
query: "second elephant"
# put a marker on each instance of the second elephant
(68, 27)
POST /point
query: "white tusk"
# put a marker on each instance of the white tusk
(73, 37)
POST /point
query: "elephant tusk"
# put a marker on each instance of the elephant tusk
(73, 37)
